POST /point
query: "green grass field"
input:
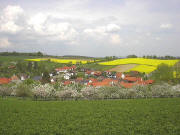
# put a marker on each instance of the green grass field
(104, 117)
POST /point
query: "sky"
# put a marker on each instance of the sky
(91, 27)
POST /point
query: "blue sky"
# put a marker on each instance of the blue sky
(91, 27)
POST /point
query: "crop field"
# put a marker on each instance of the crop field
(143, 68)
(140, 61)
(123, 68)
(103, 117)
(143, 65)
(73, 61)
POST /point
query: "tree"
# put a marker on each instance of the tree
(132, 56)
(45, 77)
(163, 73)
(21, 66)
(39, 54)
(35, 65)
(23, 90)
(29, 66)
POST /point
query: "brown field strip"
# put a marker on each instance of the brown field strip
(123, 68)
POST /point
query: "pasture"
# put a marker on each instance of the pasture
(103, 117)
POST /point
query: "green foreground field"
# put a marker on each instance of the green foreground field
(104, 117)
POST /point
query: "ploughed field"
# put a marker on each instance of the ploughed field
(128, 116)
(123, 68)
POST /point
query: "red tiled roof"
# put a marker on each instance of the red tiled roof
(133, 79)
(127, 85)
(127, 75)
(65, 68)
(79, 79)
(95, 84)
(107, 80)
(97, 73)
(110, 80)
(14, 77)
(67, 82)
(88, 72)
(149, 81)
(93, 79)
(73, 66)
(4, 80)
(118, 74)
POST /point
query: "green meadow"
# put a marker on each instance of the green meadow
(97, 117)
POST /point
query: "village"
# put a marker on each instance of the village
(69, 75)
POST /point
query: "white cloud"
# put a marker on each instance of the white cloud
(8, 19)
(157, 38)
(166, 26)
(115, 39)
(63, 31)
(12, 12)
(112, 27)
(36, 22)
(42, 25)
(4, 43)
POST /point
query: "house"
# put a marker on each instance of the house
(89, 72)
(100, 84)
(119, 75)
(131, 83)
(67, 76)
(83, 69)
(4, 80)
(110, 81)
(65, 69)
(52, 80)
(127, 85)
(91, 80)
(97, 73)
(14, 78)
(108, 72)
(67, 82)
(23, 77)
(132, 79)
(11, 67)
(79, 79)
(149, 81)
(37, 78)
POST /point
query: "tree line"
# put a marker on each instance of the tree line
(21, 54)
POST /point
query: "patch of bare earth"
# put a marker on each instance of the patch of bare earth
(123, 68)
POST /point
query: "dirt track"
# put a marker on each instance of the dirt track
(123, 68)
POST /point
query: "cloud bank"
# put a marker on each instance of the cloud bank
(89, 27)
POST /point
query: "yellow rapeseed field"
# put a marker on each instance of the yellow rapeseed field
(140, 61)
(144, 68)
(40, 59)
(73, 61)
(143, 65)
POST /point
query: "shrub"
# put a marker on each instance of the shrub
(23, 90)
(43, 91)
(5, 91)
(108, 92)
(68, 94)
(164, 90)
(89, 92)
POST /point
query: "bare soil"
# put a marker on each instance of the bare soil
(123, 68)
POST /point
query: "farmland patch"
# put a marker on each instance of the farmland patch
(133, 116)
(123, 68)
